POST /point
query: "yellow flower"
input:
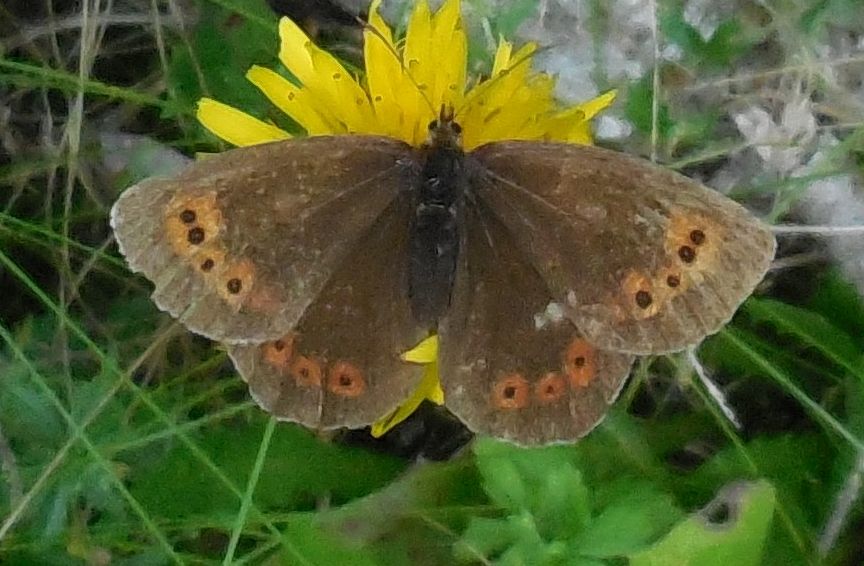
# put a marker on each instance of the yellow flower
(405, 85)
(426, 353)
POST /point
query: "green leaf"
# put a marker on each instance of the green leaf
(823, 16)
(730, 530)
(507, 17)
(215, 60)
(489, 538)
(810, 328)
(543, 481)
(799, 466)
(543, 495)
(309, 544)
(639, 109)
(25, 412)
(298, 469)
(621, 446)
(638, 515)
(503, 18)
(768, 367)
(838, 300)
(419, 514)
(725, 45)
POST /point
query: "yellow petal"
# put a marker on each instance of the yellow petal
(235, 126)
(337, 96)
(580, 134)
(346, 99)
(457, 75)
(383, 73)
(377, 22)
(489, 100)
(294, 50)
(425, 352)
(573, 124)
(449, 48)
(429, 388)
(418, 44)
(598, 104)
(290, 99)
(587, 110)
(502, 56)
(420, 69)
(512, 77)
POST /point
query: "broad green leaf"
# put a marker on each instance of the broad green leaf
(305, 543)
(298, 469)
(730, 530)
(544, 481)
(637, 516)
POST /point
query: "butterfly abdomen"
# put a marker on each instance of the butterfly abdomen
(434, 233)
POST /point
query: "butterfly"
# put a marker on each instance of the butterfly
(544, 268)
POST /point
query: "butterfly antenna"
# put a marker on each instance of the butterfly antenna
(367, 26)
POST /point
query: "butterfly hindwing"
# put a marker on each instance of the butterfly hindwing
(511, 364)
(340, 366)
(642, 259)
(239, 245)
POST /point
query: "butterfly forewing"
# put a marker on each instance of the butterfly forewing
(642, 259)
(512, 365)
(341, 366)
(239, 245)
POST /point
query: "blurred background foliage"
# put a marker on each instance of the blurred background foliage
(126, 440)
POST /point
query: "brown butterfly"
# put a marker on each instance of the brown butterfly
(543, 267)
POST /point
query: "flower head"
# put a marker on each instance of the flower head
(405, 85)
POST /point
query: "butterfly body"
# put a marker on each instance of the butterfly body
(434, 233)
(544, 268)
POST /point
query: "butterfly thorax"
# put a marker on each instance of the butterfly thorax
(434, 233)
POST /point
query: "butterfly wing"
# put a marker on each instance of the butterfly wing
(340, 366)
(512, 365)
(239, 244)
(642, 259)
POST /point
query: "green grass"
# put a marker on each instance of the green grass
(125, 439)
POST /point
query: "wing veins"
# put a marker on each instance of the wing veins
(312, 211)
(534, 196)
(550, 295)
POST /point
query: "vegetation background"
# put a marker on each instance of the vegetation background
(124, 439)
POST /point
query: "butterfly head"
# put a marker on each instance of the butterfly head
(445, 132)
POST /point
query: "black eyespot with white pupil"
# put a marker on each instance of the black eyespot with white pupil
(433, 125)
(195, 236)
(687, 254)
(234, 286)
(457, 129)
